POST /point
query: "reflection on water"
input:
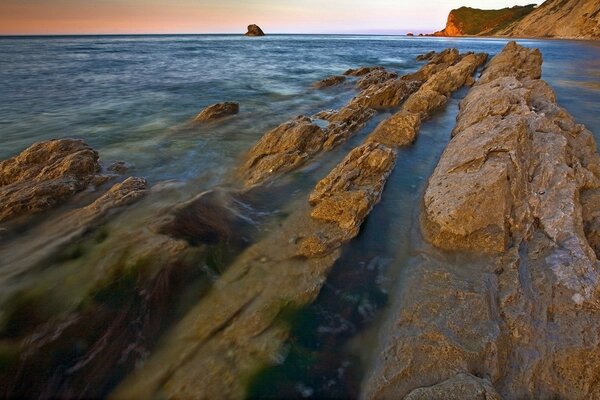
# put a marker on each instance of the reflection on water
(80, 316)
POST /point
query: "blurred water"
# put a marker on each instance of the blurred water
(132, 99)
(128, 96)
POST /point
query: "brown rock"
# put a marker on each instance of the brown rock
(343, 123)
(217, 111)
(425, 56)
(515, 61)
(121, 194)
(398, 130)
(375, 77)
(119, 167)
(45, 175)
(330, 81)
(254, 30)
(283, 149)
(349, 192)
(362, 71)
(401, 128)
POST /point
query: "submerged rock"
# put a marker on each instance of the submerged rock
(45, 175)
(119, 167)
(362, 71)
(217, 111)
(516, 300)
(330, 81)
(212, 217)
(254, 30)
(426, 56)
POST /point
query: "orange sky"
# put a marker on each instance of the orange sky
(227, 16)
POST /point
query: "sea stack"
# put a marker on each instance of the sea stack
(254, 30)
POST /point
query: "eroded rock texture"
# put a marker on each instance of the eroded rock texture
(517, 306)
(45, 175)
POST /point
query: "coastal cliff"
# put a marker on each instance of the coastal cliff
(473, 21)
(567, 19)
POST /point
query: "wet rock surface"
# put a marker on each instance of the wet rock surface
(217, 111)
(515, 301)
(44, 176)
(330, 81)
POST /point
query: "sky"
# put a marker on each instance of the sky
(30, 17)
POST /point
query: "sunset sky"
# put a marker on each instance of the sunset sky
(229, 16)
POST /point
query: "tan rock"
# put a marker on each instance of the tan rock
(375, 77)
(348, 193)
(362, 71)
(398, 130)
(330, 81)
(283, 149)
(217, 111)
(45, 175)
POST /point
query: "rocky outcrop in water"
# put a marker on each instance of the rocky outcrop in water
(217, 111)
(254, 30)
(511, 310)
(45, 175)
(294, 142)
(330, 81)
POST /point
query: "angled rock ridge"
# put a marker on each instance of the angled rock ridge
(473, 21)
(502, 301)
(564, 19)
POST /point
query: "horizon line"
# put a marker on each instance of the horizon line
(375, 32)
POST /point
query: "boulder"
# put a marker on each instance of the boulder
(217, 111)
(254, 30)
(45, 175)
